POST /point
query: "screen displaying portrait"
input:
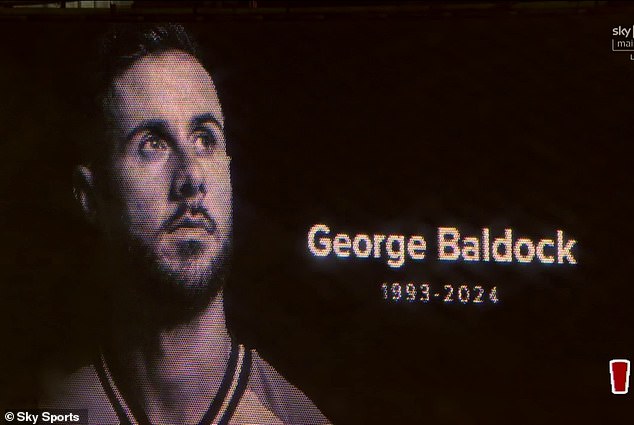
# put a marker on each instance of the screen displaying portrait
(316, 213)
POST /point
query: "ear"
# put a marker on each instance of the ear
(84, 191)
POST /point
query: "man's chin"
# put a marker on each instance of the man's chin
(189, 273)
(189, 277)
(192, 275)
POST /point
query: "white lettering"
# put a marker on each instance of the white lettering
(546, 259)
(517, 250)
(506, 243)
(451, 247)
(356, 246)
(325, 244)
(416, 247)
(448, 240)
(563, 251)
(377, 245)
(341, 245)
(397, 257)
(471, 249)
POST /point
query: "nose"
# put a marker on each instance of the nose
(189, 179)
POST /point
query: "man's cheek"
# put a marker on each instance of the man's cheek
(221, 208)
(222, 195)
(144, 213)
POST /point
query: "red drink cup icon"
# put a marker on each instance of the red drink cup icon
(620, 375)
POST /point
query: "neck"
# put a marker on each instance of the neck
(175, 370)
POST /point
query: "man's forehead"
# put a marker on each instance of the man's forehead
(170, 85)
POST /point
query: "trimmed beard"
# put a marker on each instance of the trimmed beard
(147, 279)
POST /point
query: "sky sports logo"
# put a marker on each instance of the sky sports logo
(623, 39)
(46, 416)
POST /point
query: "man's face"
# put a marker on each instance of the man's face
(169, 181)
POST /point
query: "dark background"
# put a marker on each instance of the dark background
(370, 125)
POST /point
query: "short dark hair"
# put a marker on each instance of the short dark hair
(116, 52)
(124, 44)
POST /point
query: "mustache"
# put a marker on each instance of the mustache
(190, 215)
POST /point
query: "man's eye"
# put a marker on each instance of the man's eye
(152, 146)
(204, 142)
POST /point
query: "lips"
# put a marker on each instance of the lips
(188, 222)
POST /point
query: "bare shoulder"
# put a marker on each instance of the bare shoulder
(283, 399)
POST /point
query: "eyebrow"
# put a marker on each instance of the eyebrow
(161, 126)
(206, 118)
